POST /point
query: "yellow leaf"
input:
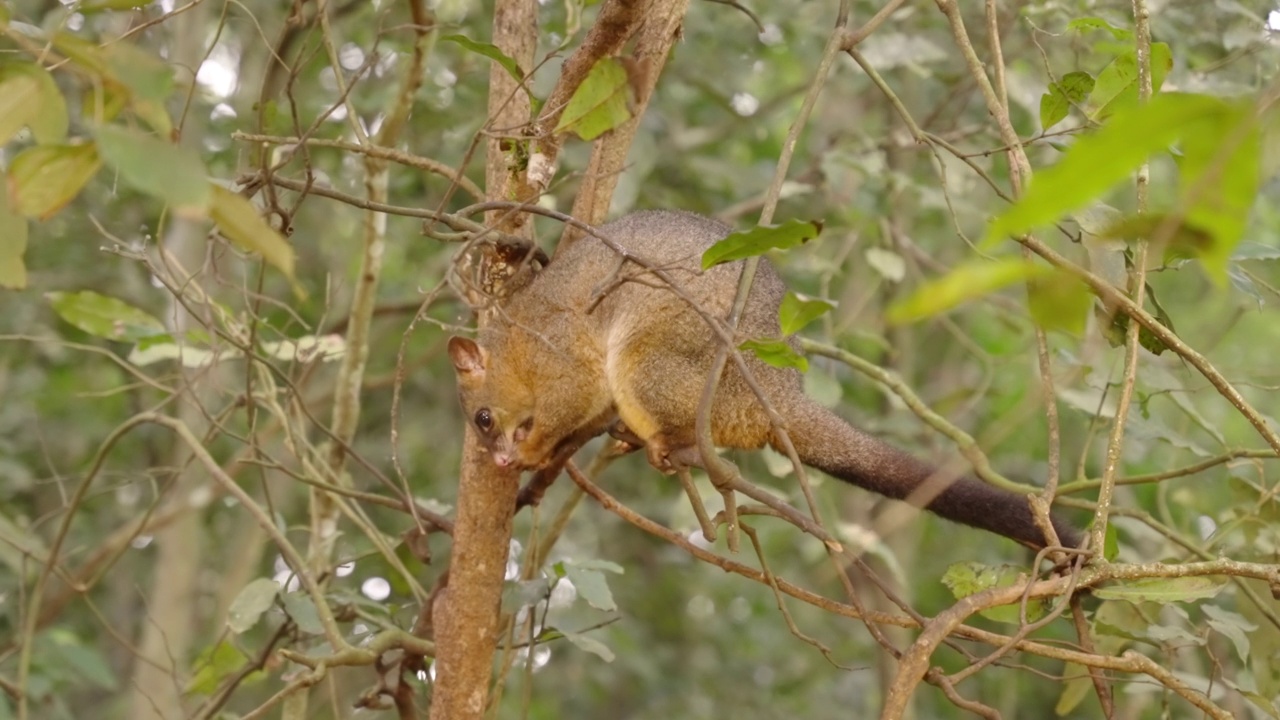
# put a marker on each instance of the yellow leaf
(19, 102)
(13, 244)
(965, 282)
(239, 221)
(44, 178)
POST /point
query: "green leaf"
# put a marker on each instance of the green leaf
(826, 390)
(548, 634)
(888, 263)
(968, 578)
(600, 102)
(104, 101)
(1088, 24)
(104, 317)
(247, 608)
(490, 51)
(308, 348)
(1220, 175)
(1114, 326)
(190, 356)
(213, 666)
(1244, 284)
(1111, 544)
(1262, 702)
(1098, 162)
(591, 586)
(759, 240)
(1095, 218)
(1072, 89)
(83, 53)
(1059, 302)
(302, 611)
(18, 544)
(153, 113)
(1269, 121)
(29, 96)
(777, 353)
(19, 101)
(1120, 621)
(525, 593)
(1177, 236)
(80, 660)
(170, 172)
(797, 311)
(238, 220)
(1077, 687)
(598, 564)
(1232, 625)
(51, 121)
(13, 245)
(1255, 251)
(1117, 84)
(1174, 635)
(965, 282)
(1161, 64)
(590, 644)
(1162, 590)
(43, 179)
(147, 76)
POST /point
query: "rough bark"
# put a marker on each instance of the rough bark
(465, 613)
(515, 30)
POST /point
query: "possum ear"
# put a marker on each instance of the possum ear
(469, 359)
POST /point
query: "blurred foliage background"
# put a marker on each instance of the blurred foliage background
(685, 640)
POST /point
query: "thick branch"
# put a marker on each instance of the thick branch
(465, 613)
(614, 26)
(654, 41)
(515, 31)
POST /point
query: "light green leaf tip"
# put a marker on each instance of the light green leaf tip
(1098, 162)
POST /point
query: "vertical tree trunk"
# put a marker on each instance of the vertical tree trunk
(169, 624)
(515, 31)
(465, 613)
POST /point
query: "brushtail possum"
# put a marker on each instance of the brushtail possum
(594, 338)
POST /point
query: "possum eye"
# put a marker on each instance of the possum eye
(522, 432)
(484, 419)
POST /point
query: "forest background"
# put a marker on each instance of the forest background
(230, 447)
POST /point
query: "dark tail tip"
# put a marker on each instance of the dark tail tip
(827, 442)
(973, 502)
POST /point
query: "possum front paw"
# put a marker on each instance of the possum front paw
(669, 455)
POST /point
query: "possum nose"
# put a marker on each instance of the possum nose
(501, 459)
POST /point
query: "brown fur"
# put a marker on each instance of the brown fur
(592, 338)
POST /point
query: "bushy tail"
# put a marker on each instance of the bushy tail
(825, 441)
